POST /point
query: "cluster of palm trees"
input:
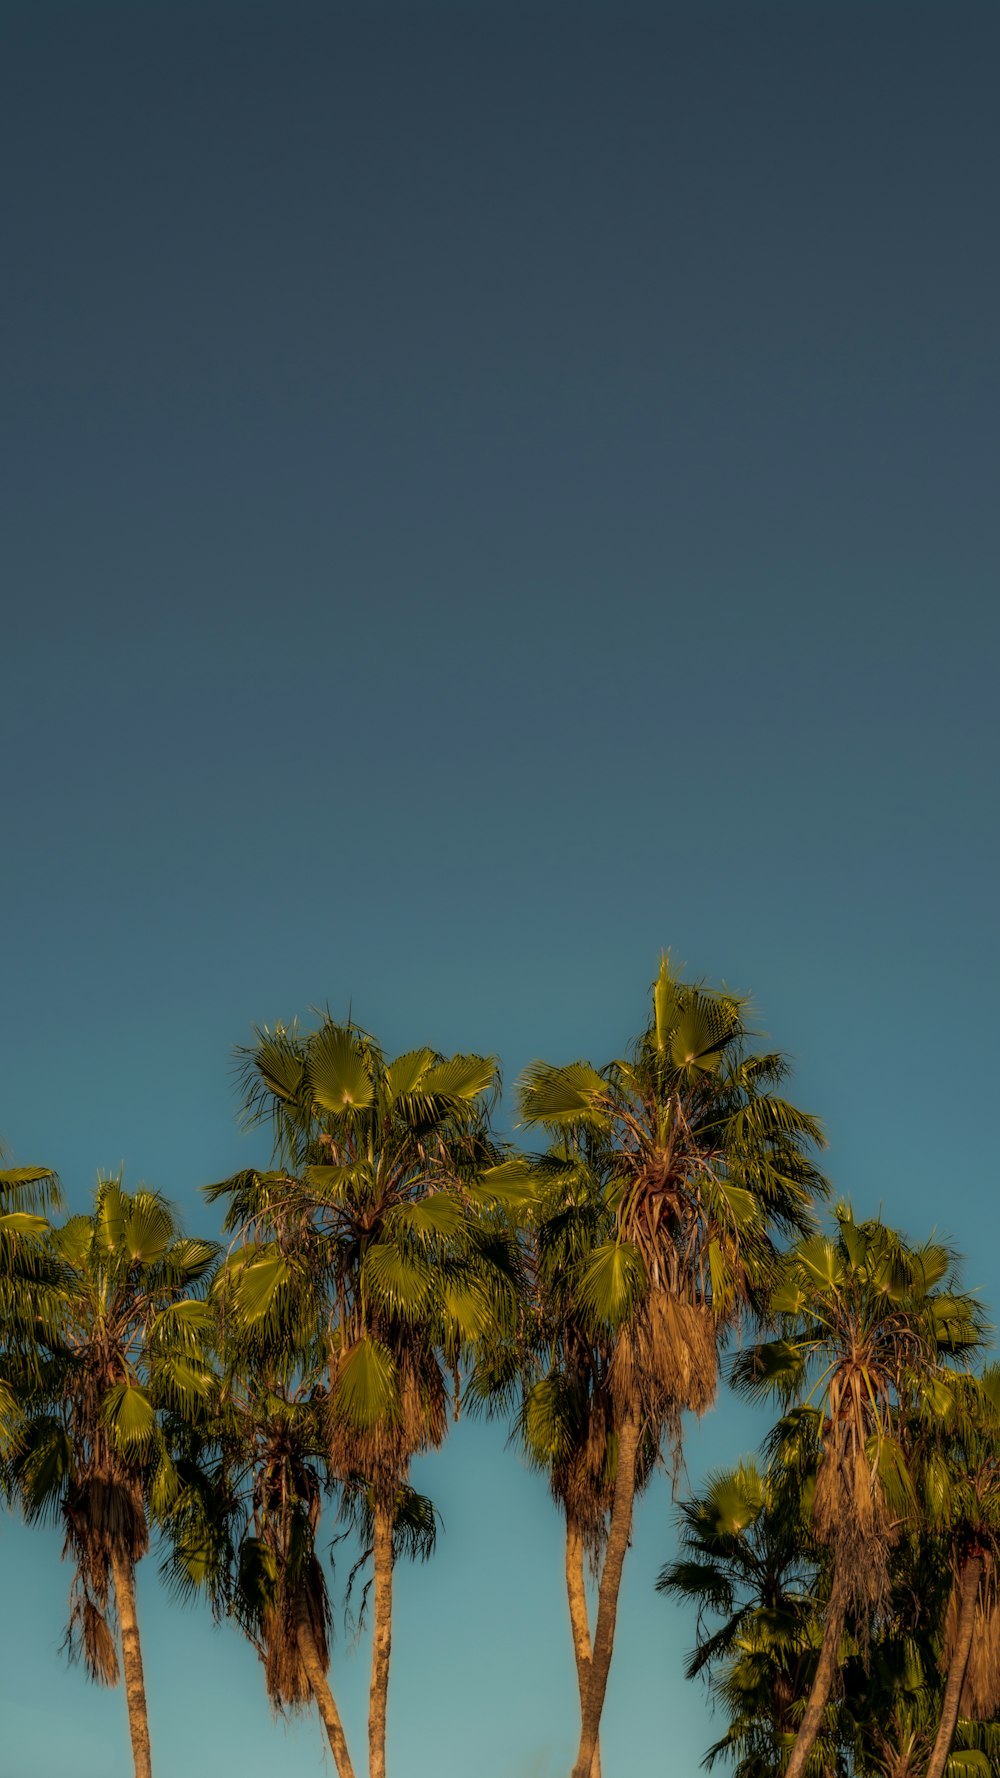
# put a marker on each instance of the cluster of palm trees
(846, 1590)
(396, 1259)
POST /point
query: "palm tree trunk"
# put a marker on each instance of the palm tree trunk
(577, 1593)
(325, 1702)
(123, 1575)
(381, 1642)
(823, 1678)
(607, 1595)
(968, 1593)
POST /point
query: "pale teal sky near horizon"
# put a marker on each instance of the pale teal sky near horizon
(492, 491)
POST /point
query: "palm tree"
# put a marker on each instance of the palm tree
(565, 1419)
(890, 1680)
(123, 1365)
(378, 1238)
(747, 1558)
(244, 1529)
(964, 1476)
(26, 1190)
(864, 1323)
(703, 1165)
(26, 1280)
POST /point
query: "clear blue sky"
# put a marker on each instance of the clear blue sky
(492, 490)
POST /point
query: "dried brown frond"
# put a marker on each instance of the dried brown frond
(583, 1482)
(103, 1514)
(300, 1601)
(89, 1636)
(850, 1517)
(381, 1453)
(676, 1354)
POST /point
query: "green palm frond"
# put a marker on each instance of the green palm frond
(611, 1283)
(337, 1185)
(571, 1095)
(700, 1581)
(146, 1228)
(110, 1210)
(456, 1082)
(772, 1367)
(29, 1188)
(402, 1282)
(23, 1224)
(278, 1061)
(261, 1288)
(42, 1464)
(405, 1074)
(187, 1325)
(552, 1419)
(338, 1070)
(438, 1216)
(129, 1416)
(467, 1311)
(512, 1184)
(188, 1260)
(366, 1393)
(182, 1383)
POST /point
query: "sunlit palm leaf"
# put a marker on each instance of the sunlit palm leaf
(29, 1188)
(130, 1417)
(189, 1325)
(146, 1228)
(366, 1393)
(339, 1075)
(280, 1065)
(109, 1226)
(468, 1310)
(406, 1073)
(182, 1383)
(512, 1184)
(436, 1216)
(334, 1184)
(402, 1283)
(74, 1239)
(574, 1094)
(611, 1283)
(262, 1287)
(456, 1081)
(20, 1222)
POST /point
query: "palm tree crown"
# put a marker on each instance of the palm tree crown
(865, 1322)
(381, 1236)
(699, 1167)
(124, 1366)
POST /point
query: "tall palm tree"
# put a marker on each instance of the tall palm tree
(703, 1166)
(565, 1420)
(564, 1423)
(123, 1364)
(865, 1321)
(747, 1558)
(890, 1680)
(377, 1237)
(964, 1473)
(26, 1283)
(245, 1525)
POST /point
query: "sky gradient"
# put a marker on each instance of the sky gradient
(492, 491)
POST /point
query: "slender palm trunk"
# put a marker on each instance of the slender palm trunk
(967, 1586)
(123, 1575)
(381, 1643)
(607, 1595)
(325, 1702)
(577, 1594)
(826, 1668)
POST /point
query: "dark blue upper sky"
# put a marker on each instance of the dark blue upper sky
(492, 490)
